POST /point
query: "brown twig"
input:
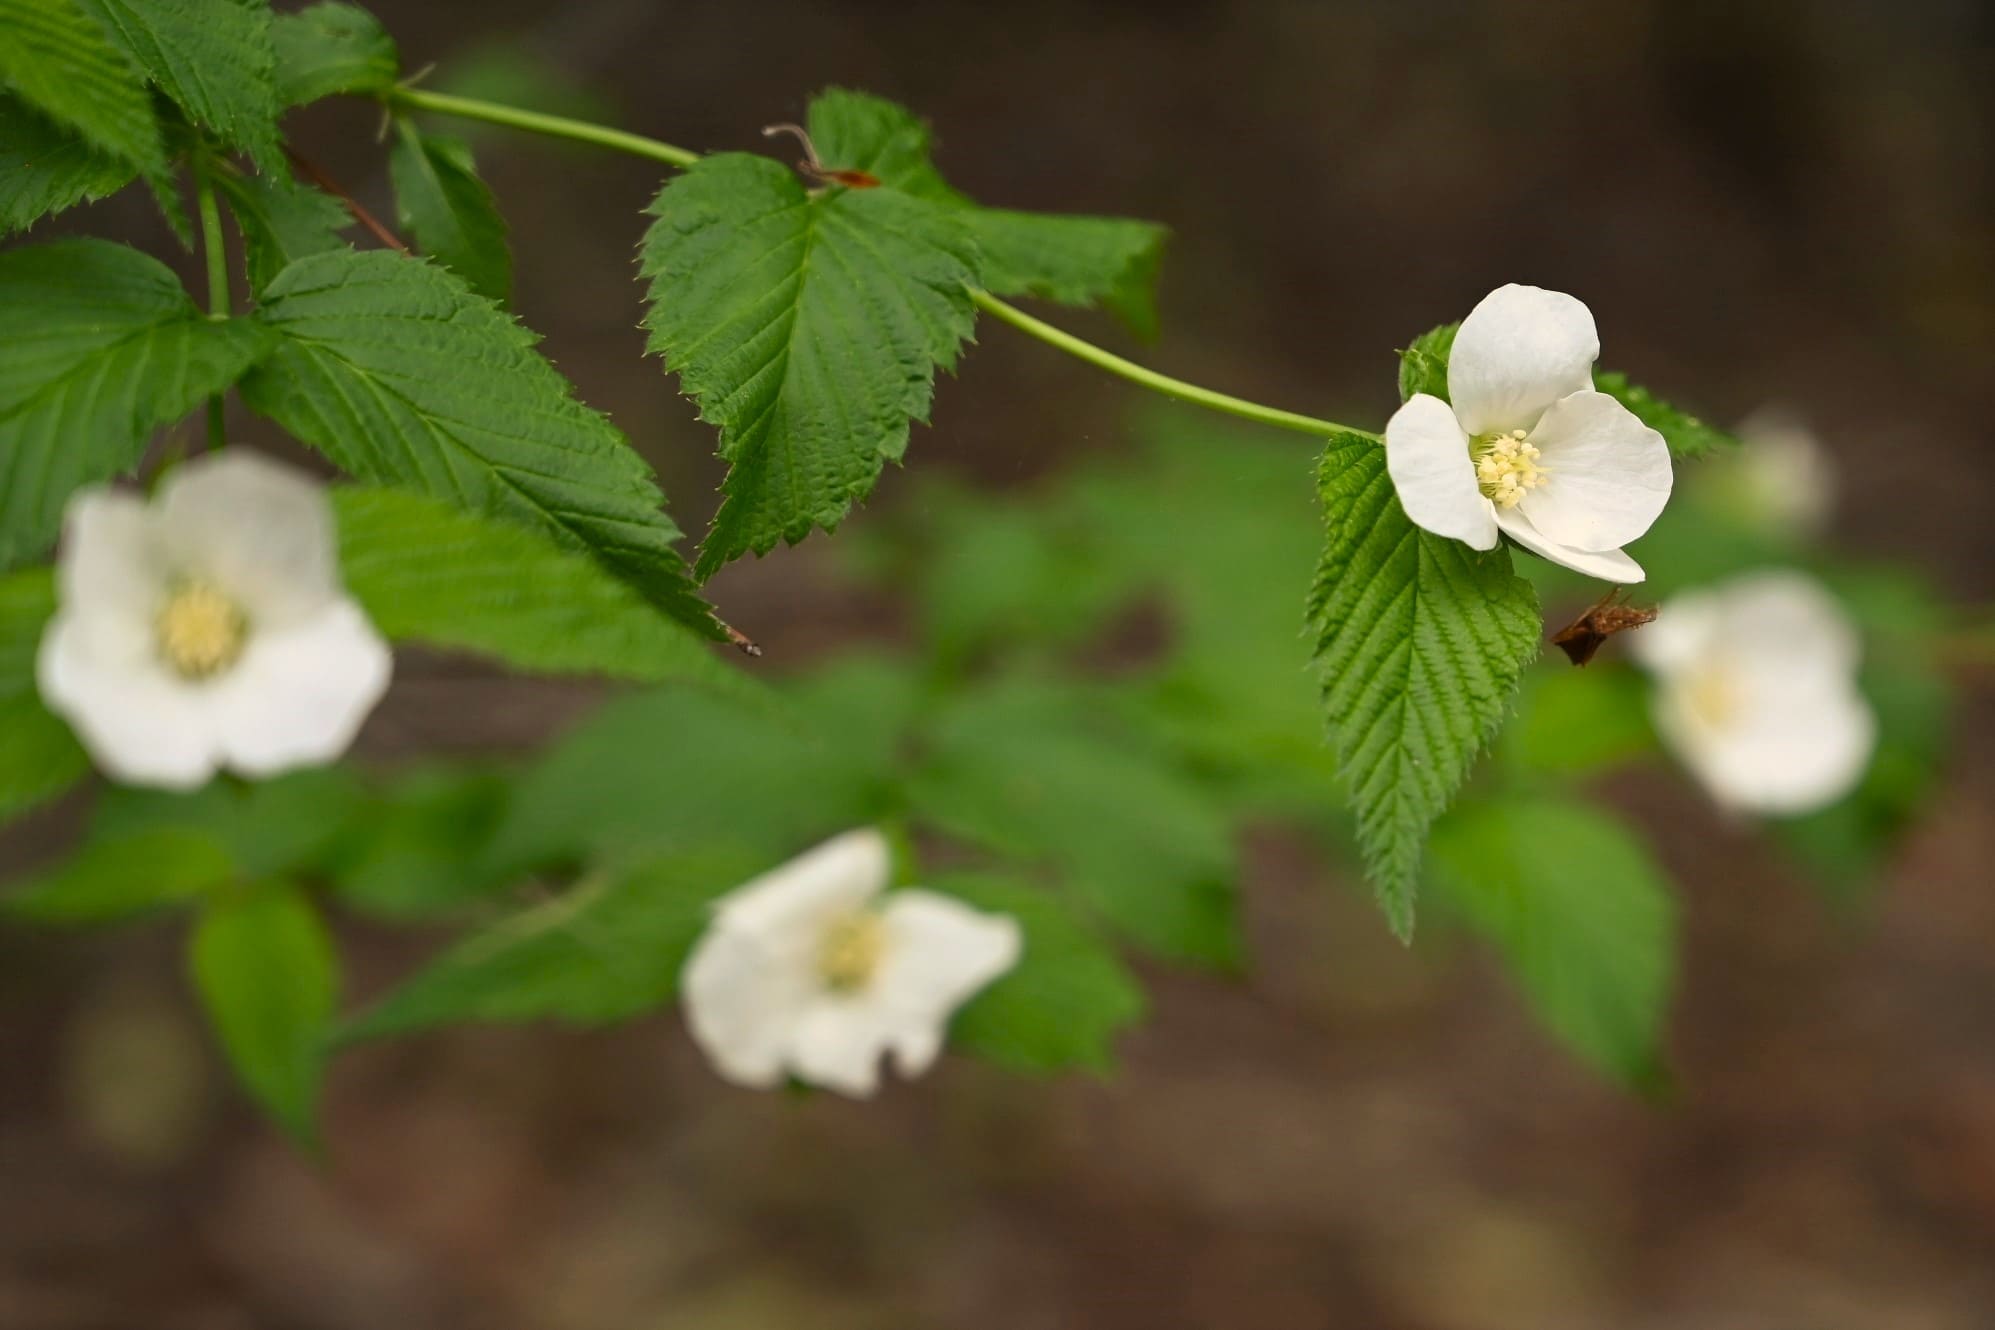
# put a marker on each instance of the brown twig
(741, 641)
(353, 205)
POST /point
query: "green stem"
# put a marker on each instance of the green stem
(558, 126)
(582, 131)
(217, 259)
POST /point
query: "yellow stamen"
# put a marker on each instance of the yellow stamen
(851, 951)
(200, 631)
(1506, 467)
(1712, 695)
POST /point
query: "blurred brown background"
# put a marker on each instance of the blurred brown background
(1761, 202)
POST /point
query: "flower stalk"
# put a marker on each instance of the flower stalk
(215, 255)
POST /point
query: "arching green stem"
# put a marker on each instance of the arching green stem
(215, 255)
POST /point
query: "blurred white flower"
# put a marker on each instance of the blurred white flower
(1528, 448)
(208, 628)
(1781, 478)
(809, 970)
(1756, 692)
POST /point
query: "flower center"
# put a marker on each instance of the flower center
(1506, 467)
(1711, 694)
(201, 631)
(851, 951)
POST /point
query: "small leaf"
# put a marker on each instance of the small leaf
(601, 952)
(1419, 644)
(436, 575)
(420, 849)
(268, 976)
(1583, 916)
(103, 346)
(808, 327)
(44, 169)
(1423, 366)
(59, 61)
(404, 377)
(448, 211)
(1064, 1002)
(327, 48)
(280, 220)
(39, 757)
(1686, 435)
(108, 881)
(286, 826)
(212, 57)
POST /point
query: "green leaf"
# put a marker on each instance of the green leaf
(1072, 260)
(212, 57)
(111, 880)
(604, 951)
(1686, 435)
(1043, 775)
(807, 327)
(280, 220)
(327, 48)
(39, 757)
(44, 169)
(1064, 1002)
(56, 59)
(287, 826)
(403, 376)
(268, 976)
(678, 769)
(420, 849)
(1423, 366)
(448, 211)
(1419, 643)
(103, 346)
(1583, 916)
(442, 577)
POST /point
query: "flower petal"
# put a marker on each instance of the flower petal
(1607, 474)
(110, 560)
(1797, 741)
(1786, 616)
(260, 530)
(1517, 352)
(939, 952)
(299, 695)
(837, 1044)
(743, 1003)
(1607, 565)
(799, 898)
(140, 724)
(1427, 456)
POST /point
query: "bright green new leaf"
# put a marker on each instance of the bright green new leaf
(327, 48)
(103, 345)
(45, 169)
(603, 951)
(1419, 643)
(1043, 775)
(280, 220)
(1583, 916)
(268, 976)
(419, 849)
(430, 573)
(58, 60)
(808, 328)
(1072, 260)
(39, 757)
(286, 826)
(1423, 366)
(1064, 1002)
(403, 376)
(110, 880)
(448, 211)
(212, 57)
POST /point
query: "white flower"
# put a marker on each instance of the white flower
(1528, 448)
(808, 969)
(208, 628)
(1756, 692)
(1781, 479)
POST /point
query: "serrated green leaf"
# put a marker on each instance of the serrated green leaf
(1064, 1002)
(604, 951)
(1043, 775)
(419, 850)
(281, 221)
(213, 58)
(108, 881)
(448, 212)
(1687, 436)
(39, 757)
(1423, 366)
(287, 826)
(1072, 260)
(433, 574)
(268, 977)
(403, 376)
(1419, 643)
(327, 48)
(1583, 916)
(103, 346)
(59, 61)
(807, 327)
(45, 169)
